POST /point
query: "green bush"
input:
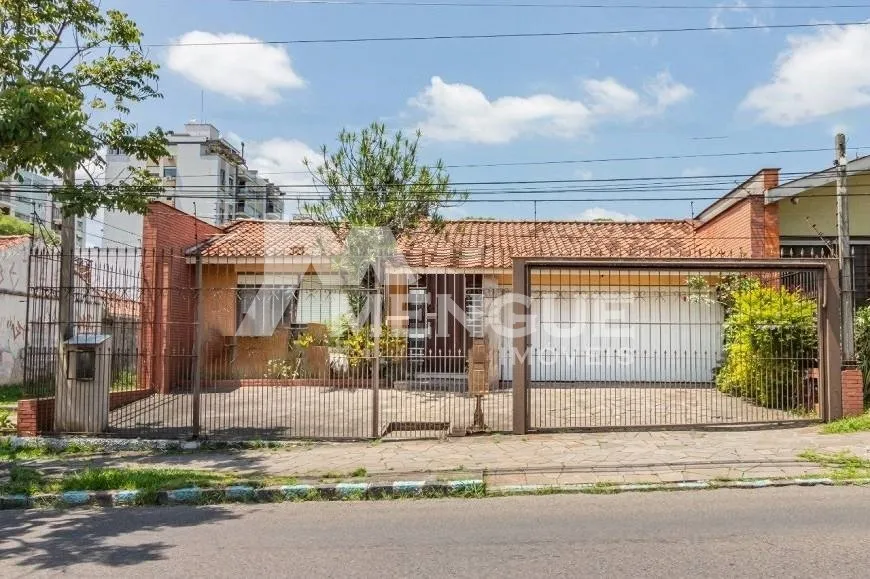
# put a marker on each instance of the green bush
(862, 347)
(771, 339)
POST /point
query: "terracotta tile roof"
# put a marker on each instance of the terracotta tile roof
(470, 243)
(492, 244)
(10, 241)
(250, 238)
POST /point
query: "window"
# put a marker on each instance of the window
(240, 205)
(265, 303)
(270, 206)
(223, 177)
(170, 172)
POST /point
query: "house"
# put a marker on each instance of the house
(265, 281)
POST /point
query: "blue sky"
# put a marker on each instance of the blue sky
(516, 100)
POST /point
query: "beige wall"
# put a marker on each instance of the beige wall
(819, 206)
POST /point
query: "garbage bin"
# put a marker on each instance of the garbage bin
(82, 401)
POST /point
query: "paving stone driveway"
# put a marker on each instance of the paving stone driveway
(312, 412)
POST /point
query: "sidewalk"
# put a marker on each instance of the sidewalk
(535, 459)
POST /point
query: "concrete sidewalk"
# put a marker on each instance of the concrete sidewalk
(502, 460)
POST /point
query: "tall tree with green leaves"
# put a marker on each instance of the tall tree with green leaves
(376, 180)
(69, 74)
(375, 189)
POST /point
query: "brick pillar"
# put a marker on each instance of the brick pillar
(853, 392)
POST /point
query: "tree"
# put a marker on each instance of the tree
(375, 190)
(374, 180)
(69, 73)
(10, 225)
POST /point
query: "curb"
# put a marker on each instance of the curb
(605, 488)
(248, 494)
(376, 491)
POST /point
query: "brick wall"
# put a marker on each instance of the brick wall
(746, 228)
(36, 416)
(853, 392)
(169, 295)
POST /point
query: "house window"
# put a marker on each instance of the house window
(223, 177)
(240, 205)
(170, 172)
(265, 303)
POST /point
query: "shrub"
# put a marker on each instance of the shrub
(358, 346)
(771, 340)
(862, 347)
(284, 369)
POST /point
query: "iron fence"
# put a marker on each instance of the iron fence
(169, 344)
(627, 346)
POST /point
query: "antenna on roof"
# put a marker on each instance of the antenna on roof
(202, 106)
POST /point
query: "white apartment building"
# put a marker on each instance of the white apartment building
(203, 175)
(31, 194)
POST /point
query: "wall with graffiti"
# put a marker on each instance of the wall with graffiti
(13, 310)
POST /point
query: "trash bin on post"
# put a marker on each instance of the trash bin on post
(82, 401)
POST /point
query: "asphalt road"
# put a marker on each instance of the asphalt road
(793, 532)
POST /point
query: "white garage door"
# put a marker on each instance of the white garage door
(638, 336)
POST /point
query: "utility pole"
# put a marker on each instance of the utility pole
(66, 296)
(844, 247)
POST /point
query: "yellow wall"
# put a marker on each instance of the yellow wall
(819, 206)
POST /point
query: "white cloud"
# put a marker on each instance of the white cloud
(280, 160)
(817, 75)
(461, 112)
(600, 213)
(666, 91)
(247, 70)
(583, 174)
(722, 15)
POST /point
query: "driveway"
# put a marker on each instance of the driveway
(320, 412)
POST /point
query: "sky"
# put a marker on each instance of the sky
(520, 100)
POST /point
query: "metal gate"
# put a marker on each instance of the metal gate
(677, 343)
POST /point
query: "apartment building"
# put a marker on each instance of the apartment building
(204, 175)
(29, 194)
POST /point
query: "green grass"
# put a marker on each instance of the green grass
(10, 453)
(11, 394)
(5, 419)
(125, 381)
(843, 465)
(27, 480)
(846, 425)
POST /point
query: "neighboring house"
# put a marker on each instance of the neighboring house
(763, 218)
(27, 193)
(209, 176)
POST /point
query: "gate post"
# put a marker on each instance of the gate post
(831, 365)
(520, 352)
(199, 341)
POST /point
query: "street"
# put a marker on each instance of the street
(790, 532)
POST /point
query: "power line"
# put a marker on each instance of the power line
(504, 35)
(687, 179)
(577, 161)
(559, 5)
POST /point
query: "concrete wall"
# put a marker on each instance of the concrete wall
(13, 307)
(819, 207)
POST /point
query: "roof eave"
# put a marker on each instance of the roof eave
(814, 181)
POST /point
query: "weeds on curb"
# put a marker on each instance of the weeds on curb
(843, 465)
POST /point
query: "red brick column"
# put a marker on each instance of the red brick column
(35, 416)
(853, 392)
